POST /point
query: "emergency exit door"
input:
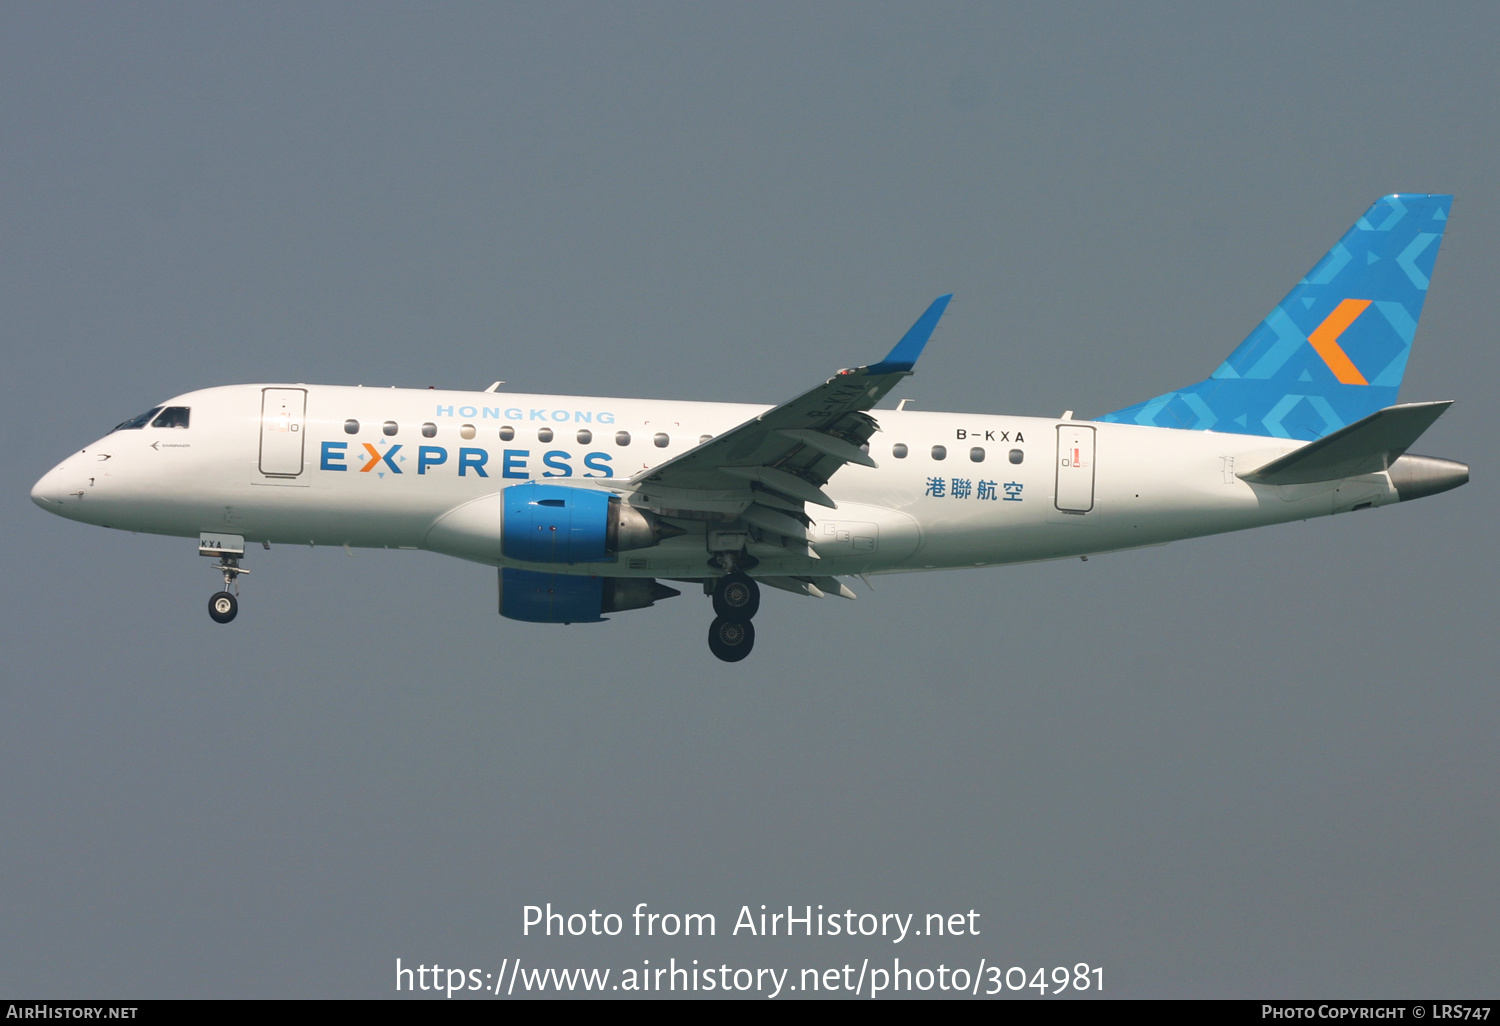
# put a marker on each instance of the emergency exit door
(281, 415)
(1075, 468)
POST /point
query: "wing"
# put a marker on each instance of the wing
(764, 470)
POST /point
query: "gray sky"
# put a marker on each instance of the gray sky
(1240, 766)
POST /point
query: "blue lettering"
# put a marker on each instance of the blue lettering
(592, 461)
(606, 418)
(538, 414)
(557, 460)
(560, 415)
(333, 456)
(430, 456)
(445, 411)
(491, 411)
(472, 459)
(514, 463)
(513, 414)
(583, 418)
(467, 411)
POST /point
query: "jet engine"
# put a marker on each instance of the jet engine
(547, 523)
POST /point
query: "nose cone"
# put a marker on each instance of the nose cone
(48, 492)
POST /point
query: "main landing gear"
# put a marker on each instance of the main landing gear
(736, 598)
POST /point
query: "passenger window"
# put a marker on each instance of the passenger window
(661, 440)
(977, 454)
(939, 452)
(351, 426)
(703, 438)
(544, 435)
(1016, 455)
(172, 417)
(466, 431)
(429, 430)
(622, 437)
(138, 422)
(899, 450)
(507, 433)
(585, 436)
(388, 428)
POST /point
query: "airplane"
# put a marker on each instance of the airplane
(586, 505)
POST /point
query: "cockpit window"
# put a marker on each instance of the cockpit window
(173, 417)
(135, 423)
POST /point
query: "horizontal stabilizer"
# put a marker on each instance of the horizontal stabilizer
(1367, 446)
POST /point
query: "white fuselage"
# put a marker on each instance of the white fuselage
(380, 467)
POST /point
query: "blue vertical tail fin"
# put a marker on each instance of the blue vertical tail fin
(1335, 349)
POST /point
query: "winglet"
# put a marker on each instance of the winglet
(904, 356)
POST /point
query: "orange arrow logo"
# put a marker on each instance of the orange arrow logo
(1325, 339)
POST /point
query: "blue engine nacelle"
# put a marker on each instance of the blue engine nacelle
(548, 523)
(569, 598)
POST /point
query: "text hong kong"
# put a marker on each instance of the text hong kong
(527, 414)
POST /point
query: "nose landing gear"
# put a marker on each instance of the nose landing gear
(224, 605)
(736, 599)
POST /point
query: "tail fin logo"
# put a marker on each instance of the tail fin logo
(1325, 339)
(1322, 359)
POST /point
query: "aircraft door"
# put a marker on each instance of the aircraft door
(281, 416)
(1075, 468)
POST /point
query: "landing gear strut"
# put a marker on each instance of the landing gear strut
(736, 598)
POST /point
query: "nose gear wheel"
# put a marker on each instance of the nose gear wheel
(223, 606)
